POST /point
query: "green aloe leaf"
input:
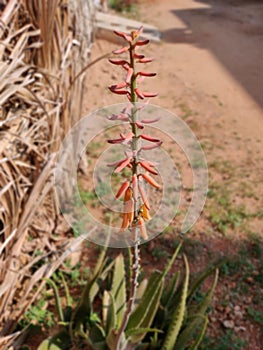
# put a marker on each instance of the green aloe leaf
(60, 341)
(178, 315)
(136, 331)
(119, 289)
(109, 312)
(200, 279)
(170, 290)
(200, 337)
(57, 300)
(171, 261)
(197, 318)
(143, 315)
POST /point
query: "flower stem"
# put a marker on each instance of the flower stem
(135, 261)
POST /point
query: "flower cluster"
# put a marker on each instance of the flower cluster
(136, 205)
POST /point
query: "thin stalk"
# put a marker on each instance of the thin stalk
(135, 266)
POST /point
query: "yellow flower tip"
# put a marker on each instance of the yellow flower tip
(145, 213)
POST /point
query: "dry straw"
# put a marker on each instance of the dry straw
(43, 47)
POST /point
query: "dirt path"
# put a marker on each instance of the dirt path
(216, 49)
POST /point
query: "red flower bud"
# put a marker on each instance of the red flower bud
(118, 92)
(118, 61)
(118, 86)
(122, 165)
(150, 94)
(147, 166)
(146, 74)
(145, 60)
(149, 138)
(151, 181)
(138, 56)
(123, 35)
(139, 93)
(149, 121)
(142, 42)
(144, 196)
(120, 51)
(152, 146)
(139, 125)
(122, 189)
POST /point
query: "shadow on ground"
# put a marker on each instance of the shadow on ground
(233, 32)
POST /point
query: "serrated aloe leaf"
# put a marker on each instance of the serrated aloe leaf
(178, 315)
(200, 279)
(197, 318)
(60, 341)
(138, 315)
(136, 331)
(170, 290)
(119, 289)
(200, 337)
(171, 261)
(147, 308)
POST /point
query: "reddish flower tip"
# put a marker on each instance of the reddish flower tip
(122, 189)
(116, 91)
(123, 35)
(149, 138)
(122, 165)
(150, 94)
(120, 51)
(145, 60)
(146, 74)
(118, 61)
(118, 86)
(139, 93)
(151, 181)
(147, 166)
(142, 42)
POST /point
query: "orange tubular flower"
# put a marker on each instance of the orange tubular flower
(122, 189)
(135, 204)
(151, 180)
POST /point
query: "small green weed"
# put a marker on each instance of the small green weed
(226, 342)
(223, 213)
(160, 253)
(38, 315)
(187, 112)
(256, 315)
(122, 5)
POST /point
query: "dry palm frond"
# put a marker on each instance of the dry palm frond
(39, 59)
